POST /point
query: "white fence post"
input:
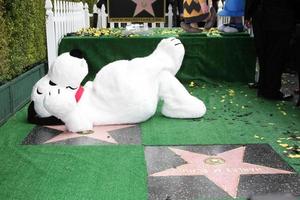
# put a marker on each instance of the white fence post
(50, 34)
(103, 17)
(170, 16)
(86, 15)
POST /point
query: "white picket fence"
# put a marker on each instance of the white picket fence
(102, 21)
(61, 18)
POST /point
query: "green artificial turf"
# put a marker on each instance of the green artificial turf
(64, 172)
(234, 116)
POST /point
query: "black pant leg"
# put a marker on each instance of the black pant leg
(258, 32)
(275, 47)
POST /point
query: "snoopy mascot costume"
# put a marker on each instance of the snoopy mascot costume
(124, 91)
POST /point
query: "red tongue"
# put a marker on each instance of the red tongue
(79, 93)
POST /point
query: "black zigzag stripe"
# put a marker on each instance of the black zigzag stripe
(191, 7)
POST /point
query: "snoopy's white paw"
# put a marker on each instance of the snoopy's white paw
(59, 102)
(173, 51)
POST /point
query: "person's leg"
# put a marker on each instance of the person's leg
(276, 46)
(298, 59)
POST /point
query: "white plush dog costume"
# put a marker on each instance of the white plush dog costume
(126, 91)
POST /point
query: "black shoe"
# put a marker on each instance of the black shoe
(278, 96)
(188, 28)
(298, 103)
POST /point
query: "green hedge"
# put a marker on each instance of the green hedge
(25, 41)
(4, 69)
(22, 35)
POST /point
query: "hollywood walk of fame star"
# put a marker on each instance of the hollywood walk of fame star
(224, 169)
(143, 5)
(99, 133)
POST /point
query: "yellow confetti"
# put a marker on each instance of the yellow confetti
(214, 108)
(279, 141)
(284, 145)
(222, 100)
(294, 155)
(289, 148)
(284, 113)
(192, 84)
(246, 95)
(224, 96)
(243, 107)
(262, 138)
(256, 136)
(231, 92)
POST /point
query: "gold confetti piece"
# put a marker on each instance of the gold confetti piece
(284, 145)
(284, 113)
(246, 95)
(243, 107)
(224, 96)
(256, 136)
(282, 138)
(222, 100)
(192, 84)
(231, 102)
(294, 155)
(279, 141)
(231, 92)
(237, 104)
(262, 138)
(289, 148)
(214, 108)
(284, 151)
(270, 123)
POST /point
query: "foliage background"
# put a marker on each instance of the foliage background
(22, 35)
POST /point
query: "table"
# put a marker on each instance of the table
(226, 58)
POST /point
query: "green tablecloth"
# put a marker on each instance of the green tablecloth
(228, 58)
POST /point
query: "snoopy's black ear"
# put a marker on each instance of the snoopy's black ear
(76, 53)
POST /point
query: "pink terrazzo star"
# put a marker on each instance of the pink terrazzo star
(224, 169)
(100, 133)
(143, 5)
